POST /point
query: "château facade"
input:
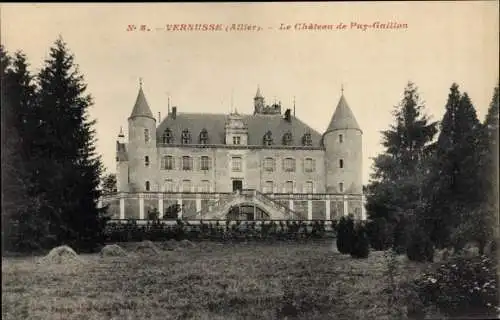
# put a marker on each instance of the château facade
(268, 163)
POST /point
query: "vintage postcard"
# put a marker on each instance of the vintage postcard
(295, 160)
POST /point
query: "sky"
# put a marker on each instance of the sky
(436, 44)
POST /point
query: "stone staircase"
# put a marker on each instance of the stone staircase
(275, 210)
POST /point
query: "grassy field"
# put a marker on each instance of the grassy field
(207, 281)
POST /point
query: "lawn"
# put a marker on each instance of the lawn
(207, 281)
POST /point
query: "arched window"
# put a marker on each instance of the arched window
(268, 138)
(167, 137)
(203, 136)
(186, 136)
(307, 139)
(287, 138)
(147, 186)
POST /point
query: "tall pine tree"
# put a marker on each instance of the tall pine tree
(68, 167)
(20, 223)
(395, 192)
(454, 190)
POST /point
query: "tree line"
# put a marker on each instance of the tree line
(50, 169)
(436, 183)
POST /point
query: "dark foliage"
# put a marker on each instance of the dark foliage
(360, 246)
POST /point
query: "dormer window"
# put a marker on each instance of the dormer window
(203, 136)
(307, 139)
(186, 136)
(287, 138)
(268, 139)
(167, 137)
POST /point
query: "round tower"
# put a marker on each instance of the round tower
(142, 146)
(343, 152)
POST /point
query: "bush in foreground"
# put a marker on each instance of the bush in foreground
(462, 286)
(345, 232)
(360, 246)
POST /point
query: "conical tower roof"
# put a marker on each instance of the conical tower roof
(343, 118)
(141, 107)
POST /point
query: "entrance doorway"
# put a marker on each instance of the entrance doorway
(237, 185)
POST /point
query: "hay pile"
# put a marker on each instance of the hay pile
(113, 250)
(170, 245)
(186, 244)
(147, 247)
(60, 255)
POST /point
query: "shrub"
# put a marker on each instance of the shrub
(420, 247)
(345, 230)
(379, 234)
(462, 286)
(360, 246)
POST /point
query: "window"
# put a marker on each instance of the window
(289, 165)
(268, 139)
(236, 164)
(186, 186)
(205, 163)
(167, 163)
(269, 164)
(167, 137)
(146, 135)
(287, 138)
(341, 187)
(187, 163)
(146, 161)
(186, 136)
(205, 186)
(289, 187)
(169, 186)
(341, 138)
(307, 139)
(147, 186)
(236, 140)
(308, 187)
(268, 187)
(341, 163)
(203, 136)
(309, 165)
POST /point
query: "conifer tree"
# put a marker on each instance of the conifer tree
(68, 167)
(395, 188)
(454, 190)
(20, 224)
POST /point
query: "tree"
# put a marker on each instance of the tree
(20, 224)
(454, 189)
(67, 166)
(395, 189)
(109, 183)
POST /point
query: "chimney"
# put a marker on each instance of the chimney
(159, 117)
(174, 112)
(287, 115)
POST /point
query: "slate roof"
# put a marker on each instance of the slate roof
(141, 107)
(343, 118)
(257, 124)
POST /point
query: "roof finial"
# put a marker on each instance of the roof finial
(232, 102)
(168, 102)
(140, 82)
(342, 89)
(294, 106)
